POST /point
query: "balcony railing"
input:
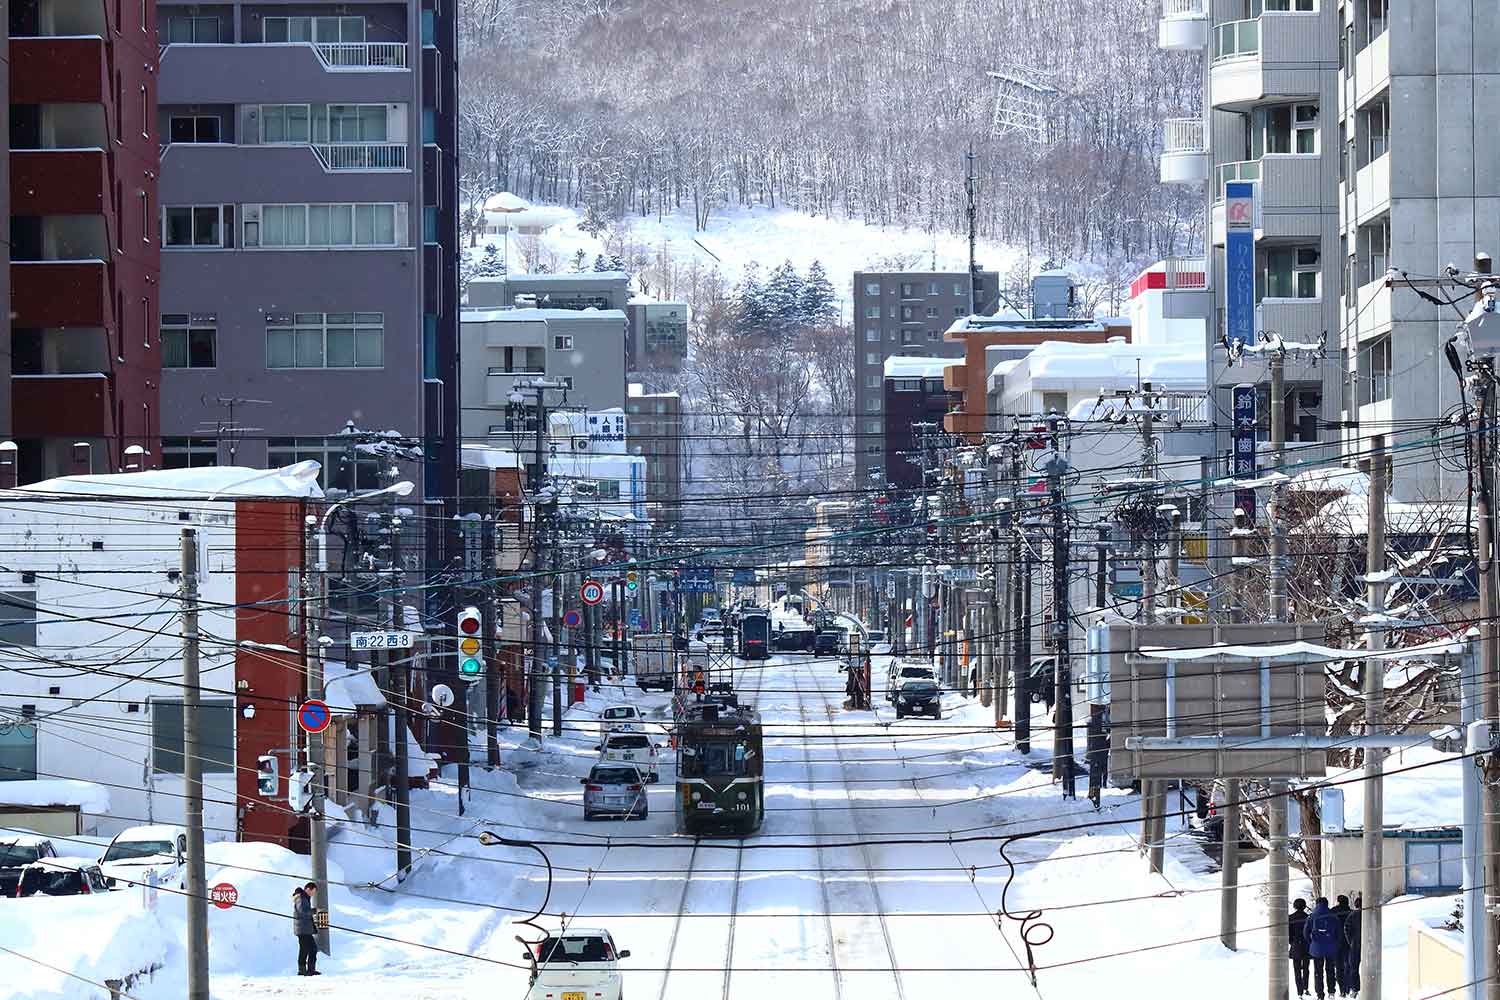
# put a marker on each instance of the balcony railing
(362, 55)
(1244, 170)
(1184, 8)
(361, 155)
(1183, 135)
(1185, 273)
(1236, 39)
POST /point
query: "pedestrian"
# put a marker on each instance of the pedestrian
(1353, 942)
(1296, 936)
(1322, 934)
(1341, 970)
(306, 931)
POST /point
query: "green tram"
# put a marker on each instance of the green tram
(720, 769)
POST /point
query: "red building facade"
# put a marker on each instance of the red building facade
(86, 351)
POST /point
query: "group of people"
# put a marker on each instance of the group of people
(305, 926)
(1327, 939)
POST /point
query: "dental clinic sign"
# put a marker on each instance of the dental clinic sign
(1239, 261)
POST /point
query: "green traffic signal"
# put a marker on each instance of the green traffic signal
(470, 666)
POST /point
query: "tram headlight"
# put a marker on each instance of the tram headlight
(743, 796)
(696, 796)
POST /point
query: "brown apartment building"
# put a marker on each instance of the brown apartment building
(83, 267)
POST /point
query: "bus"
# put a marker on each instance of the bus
(755, 634)
(720, 769)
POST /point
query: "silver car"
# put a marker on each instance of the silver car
(614, 790)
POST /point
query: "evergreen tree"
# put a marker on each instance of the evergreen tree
(579, 260)
(751, 316)
(616, 263)
(784, 297)
(600, 264)
(491, 265)
(819, 302)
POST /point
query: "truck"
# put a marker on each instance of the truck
(655, 659)
(755, 634)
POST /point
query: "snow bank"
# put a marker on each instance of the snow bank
(108, 936)
(86, 795)
(1427, 795)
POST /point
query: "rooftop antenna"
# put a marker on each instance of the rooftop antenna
(225, 428)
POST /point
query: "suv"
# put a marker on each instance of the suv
(614, 790)
(17, 850)
(901, 673)
(828, 641)
(631, 748)
(919, 696)
(140, 850)
(61, 877)
(575, 964)
(620, 718)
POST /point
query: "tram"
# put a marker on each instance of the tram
(720, 769)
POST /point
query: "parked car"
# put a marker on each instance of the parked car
(901, 672)
(620, 719)
(631, 748)
(576, 964)
(61, 877)
(1043, 681)
(881, 648)
(874, 637)
(143, 849)
(919, 696)
(614, 790)
(17, 850)
(829, 642)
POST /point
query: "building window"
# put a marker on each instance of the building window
(872, 427)
(18, 618)
(873, 405)
(872, 358)
(325, 225)
(562, 343)
(145, 216)
(189, 452)
(607, 489)
(429, 27)
(872, 312)
(216, 725)
(285, 123)
(1305, 128)
(566, 380)
(1375, 250)
(910, 336)
(1290, 273)
(1283, 128)
(1375, 19)
(147, 110)
(357, 123)
(932, 312)
(872, 381)
(1433, 865)
(958, 288)
(1055, 402)
(184, 30)
(872, 288)
(1301, 6)
(932, 386)
(313, 29)
(522, 361)
(193, 226)
(188, 341)
(959, 312)
(908, 312)
(193, 128)
(1377, 122)
(18, 752)
(906, 384)
(429, 126)
(341, 467)
(909, 290)
(872, 336)
(325, 340)
(933, 289)
(934, 334)
(1375, 370)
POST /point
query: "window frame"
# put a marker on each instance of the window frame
(562, 341)
(360, 326)
(193, 220)
(1452, 863)
(255, 239)
(185, 325)
(195, 121)
(24, 627)
(211, 710)
(192, 449)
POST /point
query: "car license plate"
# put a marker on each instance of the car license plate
(573, 995)
(630, 756)
(707, 805)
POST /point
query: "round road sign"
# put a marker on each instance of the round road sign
(223, 895)
(592, 592)
(572, 618)
(314, 716)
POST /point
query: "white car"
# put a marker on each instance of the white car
(140, 850)
(881, 648)
(900, 673)
(620, 718)
(632, 748)
(576, 964)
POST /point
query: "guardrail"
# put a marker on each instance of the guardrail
(362, 55)
(361, 155)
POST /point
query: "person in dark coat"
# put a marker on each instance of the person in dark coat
(1353, 942)
(306, 931)
(1322, 933)
(1340, 911)
(1296, 936)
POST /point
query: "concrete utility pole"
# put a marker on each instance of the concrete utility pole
(489, 547)
(195, 884)
(401, 687)
(1373, 688)
(1153, 796)
(1489, 666)
(971, 194)
(1276, 818)
(1021, 619)
(556, 657)
(1062, 730)
(534, 690)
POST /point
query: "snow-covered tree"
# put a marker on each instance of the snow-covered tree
(819, 300)
(580, 261)
(783, 298)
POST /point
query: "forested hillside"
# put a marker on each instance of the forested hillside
(862, 108)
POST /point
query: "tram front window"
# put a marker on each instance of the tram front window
(716, 758)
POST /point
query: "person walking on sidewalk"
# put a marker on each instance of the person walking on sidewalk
(1322, 933)
(1296, 937)
(306, 931)
(1353, 941)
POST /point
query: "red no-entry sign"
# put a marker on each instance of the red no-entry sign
(223, 895)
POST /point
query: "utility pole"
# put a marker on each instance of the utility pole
(1020, 595)
(1153, 799)
(195, 884)
(539, 534)
(1098, 746)
(1373, 689)
(489, 547)
(555, 661)
(1489, 664)
(972, 195)
(1276, 818)
(1229, 841)
(401, 687)
(1062, 730)
(315, 753)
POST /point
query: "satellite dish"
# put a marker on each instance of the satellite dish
(442, 695)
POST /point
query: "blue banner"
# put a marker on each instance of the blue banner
(1239, 262)
(744, 577)
(695, 580)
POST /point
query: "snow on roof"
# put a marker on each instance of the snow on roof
(564, 277)
(86, 795)
(300, 480)
(1425, 792)
(537, 315)
(347, 689)
(636, 389)
(479, 456)
(1004, 368)
(906, 367)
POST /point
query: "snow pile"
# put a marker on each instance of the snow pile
(98, 937)
(86, 795)
(1423, 791)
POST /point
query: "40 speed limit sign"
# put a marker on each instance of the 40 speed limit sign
(592, 592)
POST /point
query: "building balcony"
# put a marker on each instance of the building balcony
(1274, 56)
(1297, 320)
(1289, 194)
(1184, 156)
(1184, 25)
(1372, 69)
(76, 405)
(214, 173)
(58, 293)
(361, 155)
(58, 71)
(292, 73)
(956, 377)
(1372, 190)
(58, 181)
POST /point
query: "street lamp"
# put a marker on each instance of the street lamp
(401, 489)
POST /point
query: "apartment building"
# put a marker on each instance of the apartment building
(653, 429)
(658, 335)
(83, 262)
(308, 192)
(903, 313)
(914, 402)
(1269, 118)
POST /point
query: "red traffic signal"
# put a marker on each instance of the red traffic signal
(469, 621)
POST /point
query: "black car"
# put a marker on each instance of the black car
(919, 697)
(828, 642)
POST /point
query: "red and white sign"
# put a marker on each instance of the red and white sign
(591, 593)
(223, 895)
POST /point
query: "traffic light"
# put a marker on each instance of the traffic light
(470, 663)
(267, 775)
(299, 789)
(631, 580)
